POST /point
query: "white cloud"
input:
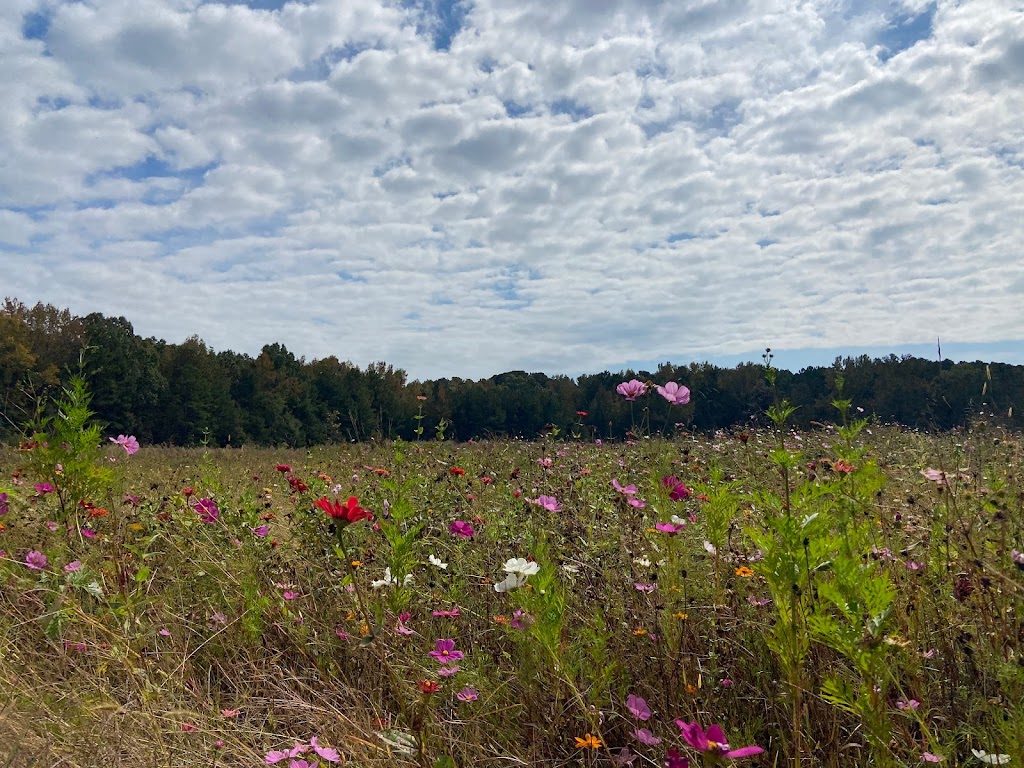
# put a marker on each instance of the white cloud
(570, 186)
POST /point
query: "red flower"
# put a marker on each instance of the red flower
(283, 468)
(429, 686)
(187, 491)
(582, 414)
(297, 485)
(349, 512)
(457, 471)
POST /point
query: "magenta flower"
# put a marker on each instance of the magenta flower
(448, 671)
(677, 488)
(73, 567)
(261, 532)
(461, 528)
(128, 442)
(713, 742)
(627, 490)
(289, 594)
(674, 760)
(36, 560)
(444, 651)
(676, 394)
(467, 694)
(645, 587)
(5, 506)
(669, 528)
(638, 503)
(207, 510)
(550, 503)
(638, 707)
(928, 757)
(631, 389)
(43, 488)
(448, 613)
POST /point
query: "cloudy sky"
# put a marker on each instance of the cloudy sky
(463, 188)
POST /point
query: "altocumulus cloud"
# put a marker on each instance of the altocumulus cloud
(461, 188)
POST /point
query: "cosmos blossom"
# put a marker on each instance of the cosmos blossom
(676, 394)
(128, 442)
(631, 389)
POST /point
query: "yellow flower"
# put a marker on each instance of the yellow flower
(681, 616)
(357, 563)
(364, 629)
(744, 571)
(639, 631)
(588, 742)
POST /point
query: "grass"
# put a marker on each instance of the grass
(184, 643)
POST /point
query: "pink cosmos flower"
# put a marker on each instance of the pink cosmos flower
(326, 753)
(289, 594)
(638, 707)
(36, 560)
(627, 490)
(88, 533)
(461, 528)
(676, 394)
(677, 488)
(550, 503)
(631, 389)
(43, 488)
(261, 532)
(448, 671)
(904, 704)
(674, 760)
(669, 528)
(452, 613)
(128, 442)
(937, 476)
(52, 526)
(73, 567)
(638, 503)
(546, 462)
(207, 510)
(713, 741)
(644, 736)
(645, 587)
(467, 694)
(5, 506)
(928, 757)
(444, 651)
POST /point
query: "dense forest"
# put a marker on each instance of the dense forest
(187, 393)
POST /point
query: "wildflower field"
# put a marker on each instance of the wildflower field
(846, 596)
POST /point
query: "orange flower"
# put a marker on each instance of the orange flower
(501, 619)
(744, 571)
(381, 472)
(588, 742)
(429, 686)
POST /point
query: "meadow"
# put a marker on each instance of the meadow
(845, 596)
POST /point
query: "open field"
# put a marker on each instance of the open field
(848, 595)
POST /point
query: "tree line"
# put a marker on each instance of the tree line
(186, 394)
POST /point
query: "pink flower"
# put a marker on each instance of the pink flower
(937, 476)
(550, 503)
(444, 651)
(638, 503)
(546, 462)
(928, 757)
(36, 560)
(713, 741)
(638, 707)
(452, 613)
(164, 633)
(262, 531)
(669, 528)
(628, 490)
(905, 703)
(461, 528)
(128, 442)
(631, 389)
(467, 694)
(88, 533)
(676, 394)
(725, 682)
(5, 506)
(326, 753)
(73, 567)
(52, 526)
(447, 671)
(644, 736)
(674, 760)
(229, 713)
(290, 594)
(645, 587)
(188, 727)
(43, 488)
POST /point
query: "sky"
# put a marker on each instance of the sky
(463, 188)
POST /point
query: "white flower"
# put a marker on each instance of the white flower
(520, 565)
(710, 548)
(985, 757)
(518, 570)
(643, 562)
(436, 562)
(390, 581)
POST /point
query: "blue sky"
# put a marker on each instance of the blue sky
(466, 187)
